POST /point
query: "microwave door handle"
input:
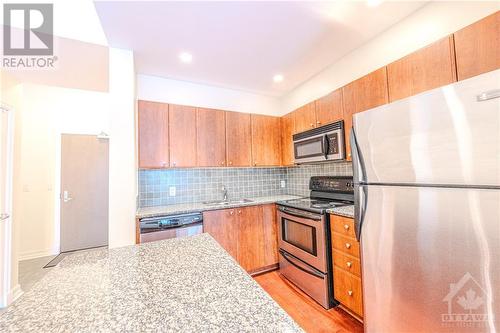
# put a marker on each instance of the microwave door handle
(327, 145)
(313, 271)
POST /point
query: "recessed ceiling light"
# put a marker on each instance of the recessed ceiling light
(278, 78)
(186, 57)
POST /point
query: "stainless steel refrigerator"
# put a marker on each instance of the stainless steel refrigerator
(427, 211)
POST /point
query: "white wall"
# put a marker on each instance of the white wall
(46, 113)
(153, 88)
(428, 24)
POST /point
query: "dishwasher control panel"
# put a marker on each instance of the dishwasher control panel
(150, 224)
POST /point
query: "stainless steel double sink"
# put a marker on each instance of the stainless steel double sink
(226, 202)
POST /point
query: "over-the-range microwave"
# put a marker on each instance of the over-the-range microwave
(321, 144)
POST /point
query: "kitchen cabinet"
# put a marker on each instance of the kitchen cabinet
(287, 129)
(182, 129)
(347, 282)
(210, 138)
(249, 234)
(477, 47)
(153, 135)
(365, 93)
(305, 117)
(428, 68)
(266, 140)
(222, 225)
(238, 139)
(329, 108)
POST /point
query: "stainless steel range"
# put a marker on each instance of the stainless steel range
(304, 237)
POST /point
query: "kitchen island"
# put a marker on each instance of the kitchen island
(186, 284)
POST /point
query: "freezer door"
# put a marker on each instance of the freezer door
(430, 260)
(450, 135)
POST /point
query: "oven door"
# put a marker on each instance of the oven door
(302, 234)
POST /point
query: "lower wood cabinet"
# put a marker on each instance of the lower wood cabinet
(248, 234)
(347, 285)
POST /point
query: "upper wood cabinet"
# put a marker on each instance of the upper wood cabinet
(428, 68)
(478, 47)
(287, 129)
(329, 108)
(238, 139)
(363, 94)
(210, 138)
(153, 134)
(266, 140)
(182, 129)
(305, 117)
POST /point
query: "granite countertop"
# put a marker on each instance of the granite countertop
(346, 211)
(200, 207)
(185, 284)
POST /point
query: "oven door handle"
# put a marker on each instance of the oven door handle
(312, 271)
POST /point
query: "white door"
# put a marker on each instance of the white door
(6, 160)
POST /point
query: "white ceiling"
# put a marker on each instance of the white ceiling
(241, 45)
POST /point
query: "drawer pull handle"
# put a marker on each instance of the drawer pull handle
(231, 212)
(347, 245)
(346, 226)
(349, 264)
(349, 292)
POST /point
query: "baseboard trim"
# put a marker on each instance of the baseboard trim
(14, 294)
(38, 254)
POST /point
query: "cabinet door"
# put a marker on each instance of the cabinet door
(270, 234)
(478, 47)
(223, 226)
(305, 117)
(250, 237)
(287, 126)
(428, 68)
(329, 108)
(182, 129)
(365, 93)
(266, 140)
(238, 139)
(153, 134)
(210, 138)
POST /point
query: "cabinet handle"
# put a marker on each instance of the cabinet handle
(349, 292)
(230, 163)
(163, 164)
(254, 163)
(221, 163)
(312, 125)
(231, 212)
(349, 154)
(174, 163)
(346, 226)
(348, 245)
(318, 122)
(349, 264)
(239, 211)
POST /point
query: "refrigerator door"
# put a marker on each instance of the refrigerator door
(430, 260)
(449, 135)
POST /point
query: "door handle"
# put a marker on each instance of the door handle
(4, 216)
(66, 196)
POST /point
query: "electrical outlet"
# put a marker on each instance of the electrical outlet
(172, 190)
(282, 184)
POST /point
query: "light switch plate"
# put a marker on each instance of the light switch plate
(172, 190)
(282, 184)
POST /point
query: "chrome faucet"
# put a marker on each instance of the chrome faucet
(224, 192)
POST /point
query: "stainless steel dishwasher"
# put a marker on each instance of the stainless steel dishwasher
(171, 226)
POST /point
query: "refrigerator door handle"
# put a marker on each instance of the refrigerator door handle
(359, 171)
(360, 203)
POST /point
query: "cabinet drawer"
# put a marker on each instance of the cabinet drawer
(343, 225)
(347, 288)
(347, 263)
(345, 244)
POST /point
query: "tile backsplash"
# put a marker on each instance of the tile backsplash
(202, 184)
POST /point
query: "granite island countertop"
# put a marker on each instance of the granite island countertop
(200, 207)
(346, 211)
(185, 284)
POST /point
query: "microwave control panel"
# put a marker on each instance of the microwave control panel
(333, 144)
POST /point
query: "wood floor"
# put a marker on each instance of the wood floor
(311, 316)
